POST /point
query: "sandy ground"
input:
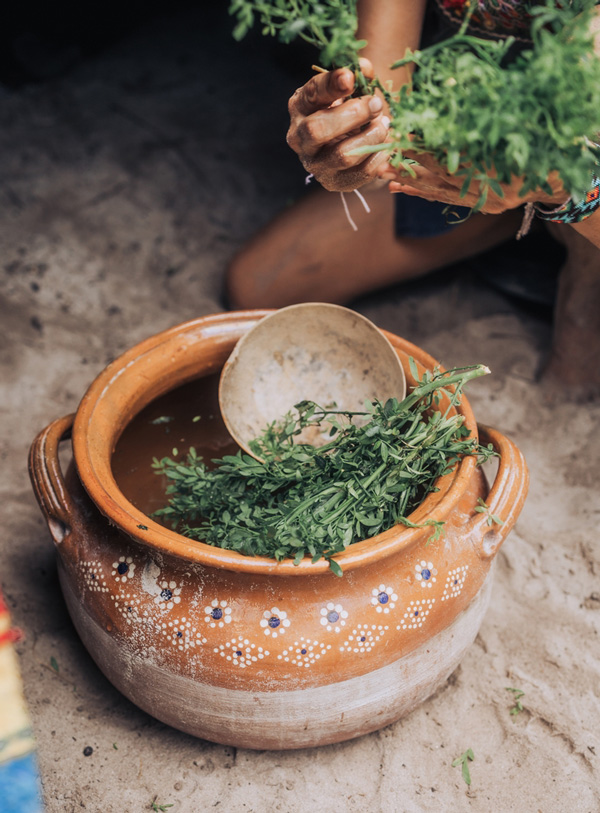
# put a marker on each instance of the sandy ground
(126, 186)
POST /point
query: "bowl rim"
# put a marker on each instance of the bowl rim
(124, 387)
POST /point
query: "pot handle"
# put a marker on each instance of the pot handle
(506, 497)
(47, 478)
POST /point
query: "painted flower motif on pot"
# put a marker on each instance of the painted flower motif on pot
(241, 652)
(93, 576)
(274, 622)
(123, 568)
(364, 638)
(182, 634)
(426, 573)
(304, 652)
(454, 582)
(128, 605)
(333, 617)
(169, 595)
(416, 613)
(383, 598)
(217, 613)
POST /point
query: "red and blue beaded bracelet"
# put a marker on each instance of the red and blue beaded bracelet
(571, 211)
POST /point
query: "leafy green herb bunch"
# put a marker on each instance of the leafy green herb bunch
(329, 26)
(490, 117)
(304, 501)
(483, 112)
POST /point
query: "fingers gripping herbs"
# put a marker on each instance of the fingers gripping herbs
(486, 113)
(315, 502)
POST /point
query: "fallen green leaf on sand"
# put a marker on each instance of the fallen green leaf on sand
(517, 695)
(464, 760)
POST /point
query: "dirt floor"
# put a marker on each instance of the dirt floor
(127, 184)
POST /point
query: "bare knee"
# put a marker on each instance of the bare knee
(573, 362)
(240, 294)
(251, 281)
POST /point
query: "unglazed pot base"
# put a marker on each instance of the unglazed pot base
(283, 720)
(245, 650)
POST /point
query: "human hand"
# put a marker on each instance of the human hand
(326, 126)
(433, 182)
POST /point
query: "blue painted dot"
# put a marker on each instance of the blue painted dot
(332, 617)
(363, 638)
(416, 612)
(217, 613)
(455, 581)
(274, 622)
(426, 574)
(180, 634)
(122, 568)
(238, 653)
(303, 651)
(166, 594)
(93, 576)
(130, 609)
(383, 598)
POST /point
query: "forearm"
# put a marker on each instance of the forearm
(390, 27)
(589, 228)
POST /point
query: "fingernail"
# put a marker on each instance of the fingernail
(344, 82)
(375, 104)
(388, 176)
(385, 120)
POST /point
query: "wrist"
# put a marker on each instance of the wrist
(572, 211)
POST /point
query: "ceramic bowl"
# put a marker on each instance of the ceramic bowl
(314, 351)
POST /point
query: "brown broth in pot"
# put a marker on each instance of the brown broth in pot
(165, 424)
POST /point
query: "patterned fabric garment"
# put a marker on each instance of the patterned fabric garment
(492, 18)
(495, 19)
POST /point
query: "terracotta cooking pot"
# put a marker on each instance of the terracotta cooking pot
(242, 650)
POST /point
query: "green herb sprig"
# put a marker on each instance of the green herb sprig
(486, 115)
(328, 26)
(304, 501)
(483, 508)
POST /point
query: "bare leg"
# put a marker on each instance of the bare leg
(574, 361)
(310, 253)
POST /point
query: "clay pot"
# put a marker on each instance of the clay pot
(247, 651)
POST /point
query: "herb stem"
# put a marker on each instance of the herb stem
(448, 378)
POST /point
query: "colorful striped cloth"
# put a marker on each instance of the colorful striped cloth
(19, 779)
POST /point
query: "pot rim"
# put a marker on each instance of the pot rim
(124, 387)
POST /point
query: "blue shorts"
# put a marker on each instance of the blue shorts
(416, 217)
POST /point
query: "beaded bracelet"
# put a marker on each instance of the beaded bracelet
(571, 212)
